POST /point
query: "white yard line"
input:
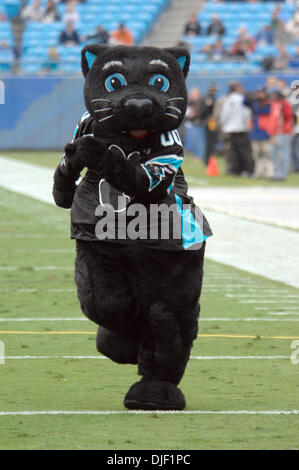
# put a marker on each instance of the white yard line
(30, 291)
(253, 247)
(273, 205)
(256, 292)
(43, 319)
(198, 358)
(37, 251)
(207, 319)
(229, 286)
(156, 412)
(283, 313)
(39, 268)
(27, 179)
(262, 301)
(257, 248)
(262, 295)
(33, 236)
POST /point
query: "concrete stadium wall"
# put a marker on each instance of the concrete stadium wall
(42, 112)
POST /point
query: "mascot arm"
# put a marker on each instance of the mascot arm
(64, 188)
(149, 181)
(83, 151)
(65, 178)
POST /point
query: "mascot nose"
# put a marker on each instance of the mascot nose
(139, 108)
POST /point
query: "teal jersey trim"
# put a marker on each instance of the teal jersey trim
(170, 188)
(171, 160)
(192, 233)
(75, 131)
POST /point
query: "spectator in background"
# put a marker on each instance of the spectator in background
(293, 25)
(280, 13)
(195, 135)
(50, 14)
(238, 50)
(247, 41)
(235, 121)
(282, 35)
(122, 35)
(184, 44)
(223, 138)
(101, 36)
(265, 37)
(218, 51)
(33, 11)
(294, 60)
(52, 62)
(282, 59)
(215, 51)
(271, 83)
(283, 87)
(280, 128)
(69, 36)
(295, 149)
(276, 18)
(192, 28)
(260, 139)
(209, 121)
(216, 27)
(244, 44)
(279, 62)
(71, 15)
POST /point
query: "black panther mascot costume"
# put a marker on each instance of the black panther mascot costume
(140, 287)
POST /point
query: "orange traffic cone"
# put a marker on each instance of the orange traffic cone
(212, 168)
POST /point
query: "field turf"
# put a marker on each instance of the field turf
(241, 361)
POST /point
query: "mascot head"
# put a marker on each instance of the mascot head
(135, 90)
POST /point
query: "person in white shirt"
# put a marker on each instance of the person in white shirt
(33, 11)
(235, 118)
(71, 15)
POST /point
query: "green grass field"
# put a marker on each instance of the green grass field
(240, 362)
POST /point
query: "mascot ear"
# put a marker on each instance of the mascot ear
(88, 56)
(182, 56)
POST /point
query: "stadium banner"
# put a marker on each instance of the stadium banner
(41, 112)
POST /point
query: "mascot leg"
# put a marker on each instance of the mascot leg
(106, 299)
(169, 292)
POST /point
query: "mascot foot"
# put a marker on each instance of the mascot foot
(120, 349)
(151, 394)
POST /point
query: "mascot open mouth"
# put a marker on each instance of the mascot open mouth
(140, 133)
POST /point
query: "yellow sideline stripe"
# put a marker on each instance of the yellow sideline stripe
(248, 336)
(12, 332)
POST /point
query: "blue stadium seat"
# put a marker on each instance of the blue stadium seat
(138, 15)
(252, 15)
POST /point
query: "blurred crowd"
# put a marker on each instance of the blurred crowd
(33, 11)
(256, 132)
(280, 31)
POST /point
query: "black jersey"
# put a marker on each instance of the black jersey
(160, 215)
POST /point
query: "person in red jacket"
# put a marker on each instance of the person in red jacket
(280, 127)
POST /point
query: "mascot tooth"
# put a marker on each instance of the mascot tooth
(142, 292)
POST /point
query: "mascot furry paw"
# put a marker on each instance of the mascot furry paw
(138, 278)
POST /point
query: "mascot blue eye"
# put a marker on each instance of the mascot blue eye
(115, 82)
(160, 82)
